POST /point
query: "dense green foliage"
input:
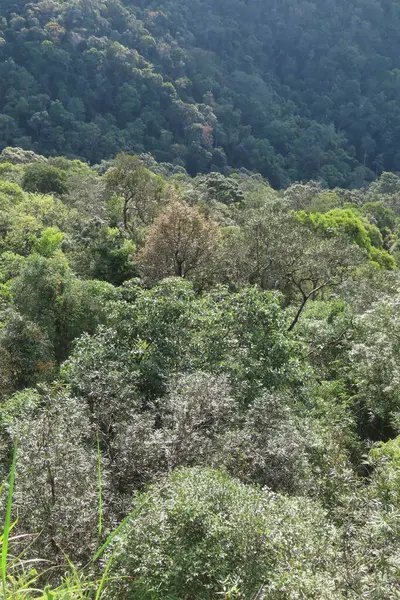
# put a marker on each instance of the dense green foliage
(201, 377)
(201, 531)
(294, 89)
(199, 355)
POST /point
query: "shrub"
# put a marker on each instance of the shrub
(199, 532)
(55, 495)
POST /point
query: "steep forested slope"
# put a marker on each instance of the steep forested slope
(293, 89)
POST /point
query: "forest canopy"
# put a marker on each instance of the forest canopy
(199, 383)
(293, 89)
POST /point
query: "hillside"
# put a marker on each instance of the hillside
(199, 300)
(293, 89)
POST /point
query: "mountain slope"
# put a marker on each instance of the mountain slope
(294, 89)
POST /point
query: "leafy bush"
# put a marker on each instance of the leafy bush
(55, 495)
(199, 532)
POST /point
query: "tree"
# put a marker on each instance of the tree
(301, 196)
(49, 294)
(140, 190)
(168, 330)
(374, 372)
(214, 187)
(197, 411)
(45, 179)
(49, 242)
(26, 353)
(357, 229)
(375, 545)
(104, 253)
(323, 265)
(274, 250)
(181, 242)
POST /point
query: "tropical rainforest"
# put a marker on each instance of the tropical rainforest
(293, 89)
(199, 300)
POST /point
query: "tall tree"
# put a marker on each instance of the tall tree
(140, 190)
(181, 242)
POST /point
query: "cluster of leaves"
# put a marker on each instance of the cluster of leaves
(217, 356)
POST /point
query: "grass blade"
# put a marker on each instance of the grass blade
(7, 525)
(99, 485)
(102, 581)
(117, 530)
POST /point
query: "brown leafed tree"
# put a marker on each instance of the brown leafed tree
(181, 242)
